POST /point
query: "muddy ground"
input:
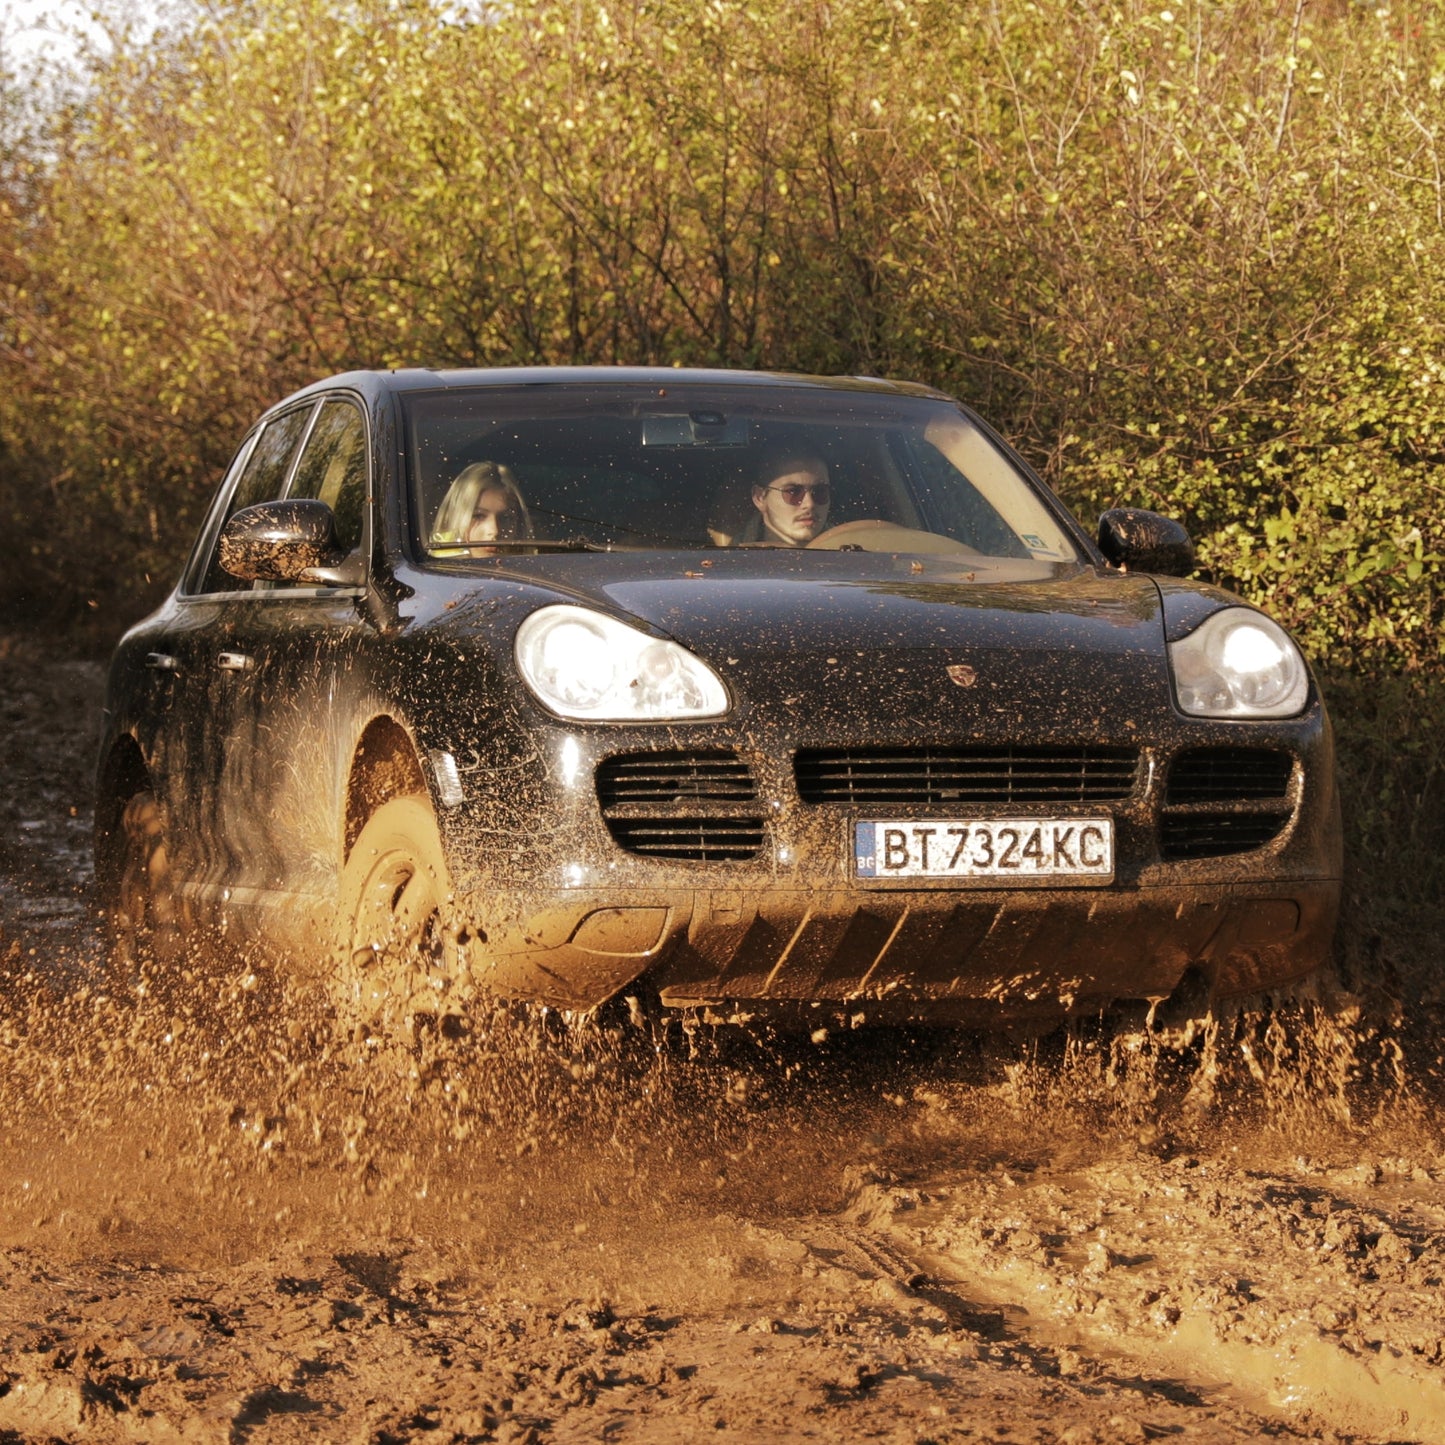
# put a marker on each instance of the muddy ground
(217, 1225)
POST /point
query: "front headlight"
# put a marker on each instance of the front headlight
(582, 664)
(1238, 663)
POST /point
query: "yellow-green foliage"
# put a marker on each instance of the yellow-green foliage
(1190, 255)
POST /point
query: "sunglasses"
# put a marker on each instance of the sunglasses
(794, 493)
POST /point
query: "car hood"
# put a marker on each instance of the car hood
(903, 640)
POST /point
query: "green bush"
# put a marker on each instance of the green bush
(1188, 256)
(1390, 742)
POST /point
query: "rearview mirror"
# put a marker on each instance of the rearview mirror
(284, 542)
(1145, 542)
(695, 429)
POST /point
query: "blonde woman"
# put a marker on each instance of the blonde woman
(483, 504)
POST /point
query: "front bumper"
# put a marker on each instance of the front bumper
(979, 957)
(550, 906)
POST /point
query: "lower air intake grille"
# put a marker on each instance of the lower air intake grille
(1208, 775)
(1214, 835)
(698, 807)
(966, 774)
(670, 777)
(1218, 801)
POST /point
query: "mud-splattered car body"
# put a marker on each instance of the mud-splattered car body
(887, 692)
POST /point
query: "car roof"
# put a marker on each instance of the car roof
(377, 383)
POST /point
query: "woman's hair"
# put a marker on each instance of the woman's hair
(454, 516)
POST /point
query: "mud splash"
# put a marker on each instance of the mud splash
(1294, 1059)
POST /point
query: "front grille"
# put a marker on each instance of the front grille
(698, 807)
(1215, 835)
(1208, 775)
(912, 776)
(1220, 801)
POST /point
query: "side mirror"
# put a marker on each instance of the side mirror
(285, 542)
(1145, 542)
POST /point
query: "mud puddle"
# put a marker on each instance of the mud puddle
(216, 1225)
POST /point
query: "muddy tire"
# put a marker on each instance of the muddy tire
(396, 964)
(144, 912)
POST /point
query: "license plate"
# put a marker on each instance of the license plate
(989, 848)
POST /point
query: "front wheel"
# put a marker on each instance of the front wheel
(397, 964)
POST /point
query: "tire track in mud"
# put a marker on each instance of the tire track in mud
(215, 1225)
(1318, 1298)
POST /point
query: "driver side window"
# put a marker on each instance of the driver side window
(265, 475)
(333, 469)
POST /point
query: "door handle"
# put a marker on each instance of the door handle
(162, 662)
(234, 662)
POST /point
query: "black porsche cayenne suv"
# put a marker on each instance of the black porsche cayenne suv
(767, 692)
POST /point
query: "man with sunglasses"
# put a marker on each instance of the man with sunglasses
(793, 498)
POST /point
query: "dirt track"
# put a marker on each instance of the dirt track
(213, 1227)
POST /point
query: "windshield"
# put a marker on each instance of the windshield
(500, 469)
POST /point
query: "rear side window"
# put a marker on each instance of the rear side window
(262, 480)
(333, 468)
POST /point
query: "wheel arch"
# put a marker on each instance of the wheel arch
(385, 764)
